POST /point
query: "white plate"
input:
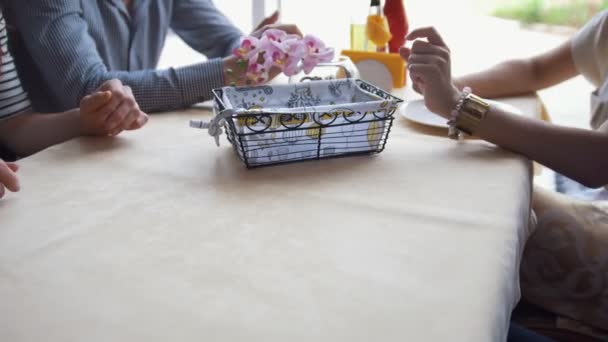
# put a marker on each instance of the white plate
(416, 111)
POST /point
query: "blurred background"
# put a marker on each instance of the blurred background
(480, 33)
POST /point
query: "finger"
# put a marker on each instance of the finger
(293, 29)
(288, 28)
(2, 191)
(105, 112)
(272, 19)
(126, 123)
(427, 59)
(416, 86)
(93, 102)
(115, 120)
(118, 97)
(421, 47)
(111, 85)
(422, 74)
(429, 33)
(417, 83)
(8, 178)
(136, 121)
(132, 116)
(128, 91)
(423, 70)
(142, 119)
(405, 52)
(13, 166)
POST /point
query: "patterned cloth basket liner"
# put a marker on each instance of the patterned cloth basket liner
(270, 125)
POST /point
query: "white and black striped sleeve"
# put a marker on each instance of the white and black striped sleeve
(13, 99)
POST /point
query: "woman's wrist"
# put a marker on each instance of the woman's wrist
(74, 123)
(468, 114)
(458, 84)
(451, 102)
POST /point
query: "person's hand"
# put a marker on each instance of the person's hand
(234, 74)
(8, 177)
(273, 19)
(232, 68)
(110, 110)
(429, 65)
(271, 23)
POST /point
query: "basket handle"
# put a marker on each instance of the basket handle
(214, 127)
(218, 94)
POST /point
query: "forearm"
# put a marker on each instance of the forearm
(159, 90)
(577, 153)
(508, 78)
(522, 76)
(29, 133)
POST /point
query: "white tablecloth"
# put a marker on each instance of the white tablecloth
(158, 235)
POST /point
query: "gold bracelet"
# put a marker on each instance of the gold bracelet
(473, 110)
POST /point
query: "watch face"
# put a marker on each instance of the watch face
(375, 73)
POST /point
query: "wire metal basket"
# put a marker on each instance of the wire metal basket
(271, 125)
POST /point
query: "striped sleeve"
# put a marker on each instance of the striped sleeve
(194, 19)
(13, 99)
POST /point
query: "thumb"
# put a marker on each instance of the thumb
(93, 102)
(13, 166)
(417, 88)
(139, 123)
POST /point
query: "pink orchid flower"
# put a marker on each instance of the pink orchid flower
(288, 52)
(274, 35)
(284, 53)
(257, 73)
(316, 53)
(296, 52)
(248, 50)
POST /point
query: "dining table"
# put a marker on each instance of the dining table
(160, 235)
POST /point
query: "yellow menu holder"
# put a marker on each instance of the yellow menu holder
(394, 64)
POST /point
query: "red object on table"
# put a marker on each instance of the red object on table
(394, 11)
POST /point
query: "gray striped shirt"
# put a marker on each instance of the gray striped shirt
(65, 49)
(13, 99)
